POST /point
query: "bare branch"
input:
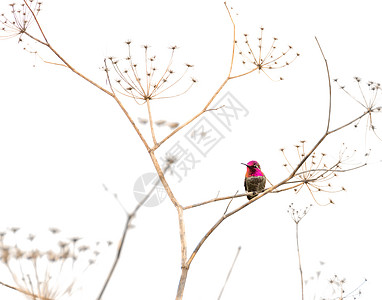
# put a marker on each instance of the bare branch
(129, 218)
(297, 215)
(218, 199)
(229, 203)
(151, 121)
(329, 82)
(24, 292)
(326, 170)
(38, 24)
(229, 272)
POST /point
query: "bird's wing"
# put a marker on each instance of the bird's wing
(262, 183)
(256, 184)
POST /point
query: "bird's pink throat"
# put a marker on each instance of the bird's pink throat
(255, 172)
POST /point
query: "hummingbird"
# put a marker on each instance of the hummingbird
(254, 180)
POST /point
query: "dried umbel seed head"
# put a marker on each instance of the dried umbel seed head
(20, 19)
(313, 173)
(298, 214)
(155, 83)
(261, 57)
(368, 96)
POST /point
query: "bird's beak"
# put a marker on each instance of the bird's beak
(245, 164)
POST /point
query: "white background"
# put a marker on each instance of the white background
(61, 139)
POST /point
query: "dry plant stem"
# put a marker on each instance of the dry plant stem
(357, 288)
(178, 207)
(229, 203)
(151, 121)
(34, 17)
(218, 199)
(112, 94)
(329, 82)
(67, 64)
(246, 73)
(129, 218)
(299, 263)
(329, 170)
(229, 272)
(24, 292)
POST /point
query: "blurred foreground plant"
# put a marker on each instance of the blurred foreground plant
(47, 267)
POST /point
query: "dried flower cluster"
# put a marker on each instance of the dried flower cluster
(147, 82)
(22, 18)
(368, 98)
(298, 214)
(314, 173)
(337, 289)
(261, 58)
(51, 273)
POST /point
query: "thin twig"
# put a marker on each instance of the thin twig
(229, 272)
(113, 94)
(329, 82)
(38, 24)
(218, 199)
(129, 218)
(151, 121)
(299, 263)
(329, 170)
(24, 292)
(216, 108)
(357, 288)
(229, 203)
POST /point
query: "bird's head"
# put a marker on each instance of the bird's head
(252, 164)
(253, 169)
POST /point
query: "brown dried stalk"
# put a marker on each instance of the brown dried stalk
(297, 215)
(229, 272)
(24, 292)
(129, 218)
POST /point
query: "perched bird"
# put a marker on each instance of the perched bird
(254, 179)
